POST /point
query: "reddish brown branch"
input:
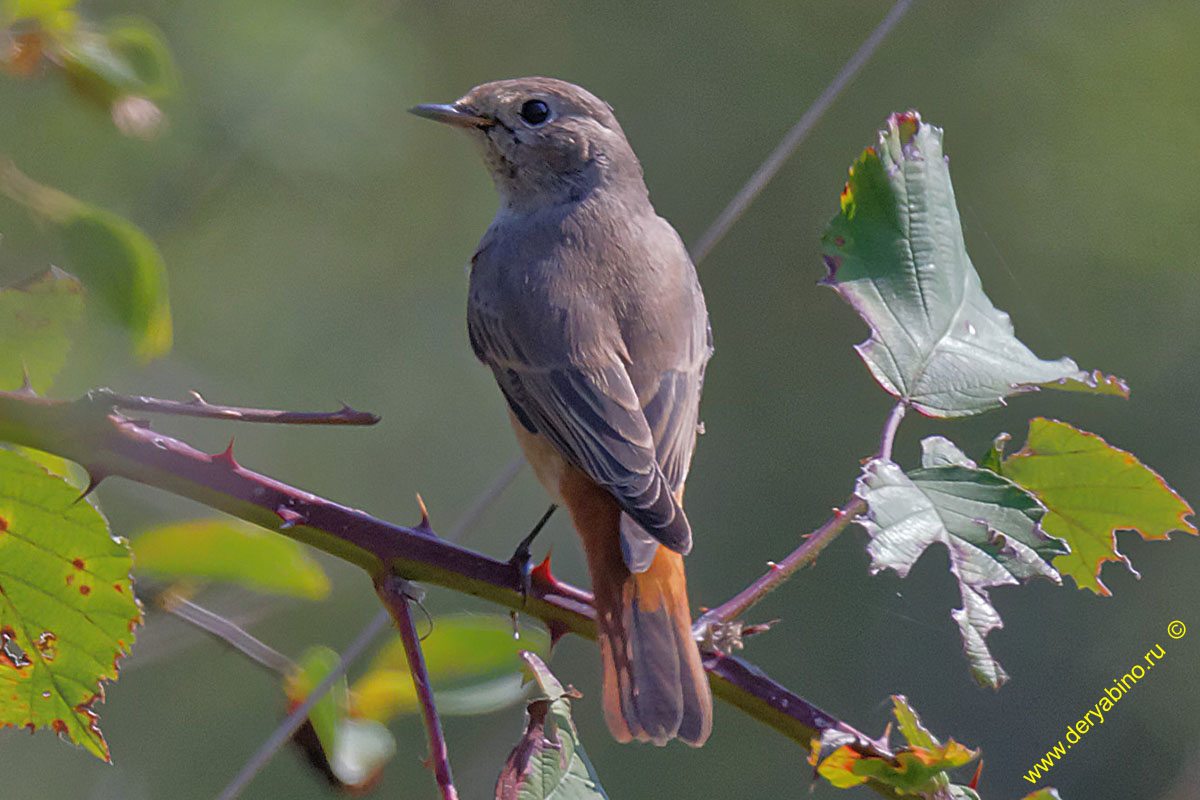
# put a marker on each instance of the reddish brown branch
(108, 444)
(397, 597)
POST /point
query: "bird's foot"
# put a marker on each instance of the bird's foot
(522, 558)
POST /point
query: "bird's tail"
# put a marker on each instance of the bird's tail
(655, 688)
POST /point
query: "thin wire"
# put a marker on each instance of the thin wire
(485, 499)
(796, 135)
(297, 716)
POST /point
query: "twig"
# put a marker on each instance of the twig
(889, 430)
(710, 623)
(108, 444)
(297, 716)
(716, 626)
(199, 407)
(796, 135)
(395, 595)
(227, 631)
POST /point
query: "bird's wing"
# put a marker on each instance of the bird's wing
(672, 411)
(592, 416)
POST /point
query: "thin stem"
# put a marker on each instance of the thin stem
(296, 717)
(199, 407)
(227, 631)
(889, 430)
(797, 134)
(803, 555)
(394, 593)
(777, 573)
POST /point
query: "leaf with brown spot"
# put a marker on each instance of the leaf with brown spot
(67, 609)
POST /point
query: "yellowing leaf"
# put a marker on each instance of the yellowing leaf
(67, 610)
(231, 551)
(1091, 490)
(473, 663)
(919, 768)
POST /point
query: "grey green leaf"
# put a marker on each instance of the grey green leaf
(896, 253)
(988, 524)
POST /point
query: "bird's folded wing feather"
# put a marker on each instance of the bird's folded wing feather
(593, 417)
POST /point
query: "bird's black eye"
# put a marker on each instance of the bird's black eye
(535, 112)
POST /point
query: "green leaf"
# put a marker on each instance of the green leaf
(51, 14)
(67, 610)
(234, 552)
(473, 662)
(143, 48)
(316, 663)
(988, 523)
(1048, 793)
(351, 751)
(58, 466)
(112, 258)
(548, 763)
(97, 72)
(896, 254)
(1092, 490)
(124, 267)
(919, 768)
(36, 323)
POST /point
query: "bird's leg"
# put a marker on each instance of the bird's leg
(522, 558)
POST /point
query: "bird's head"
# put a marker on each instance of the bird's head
(544, 140)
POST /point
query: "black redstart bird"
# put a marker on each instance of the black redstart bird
(586, 306)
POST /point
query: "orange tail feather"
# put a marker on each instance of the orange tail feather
(655, 688)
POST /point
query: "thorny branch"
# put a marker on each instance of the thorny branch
(106, 443)
(199, 407)
(397, 596)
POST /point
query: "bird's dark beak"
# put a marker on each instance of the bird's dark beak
(451, 114)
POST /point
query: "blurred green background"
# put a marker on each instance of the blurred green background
(316, 237)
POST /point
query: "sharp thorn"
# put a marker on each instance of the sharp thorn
(974, 784)
(196, 398)
(26, 382)
(423, 525)
(541, 573)
(758, 627)
(290, 518)
(226, 456)
(557, 631)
